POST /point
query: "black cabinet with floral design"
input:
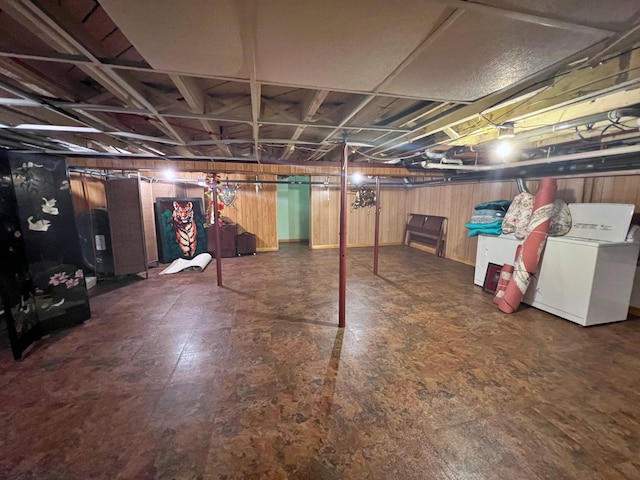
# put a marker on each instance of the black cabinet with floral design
(41, 279)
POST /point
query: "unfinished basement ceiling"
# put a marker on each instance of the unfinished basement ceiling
(285, 81)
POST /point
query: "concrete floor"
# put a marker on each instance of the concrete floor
(176, 378)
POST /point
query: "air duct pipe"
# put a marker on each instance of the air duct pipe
(522, 185)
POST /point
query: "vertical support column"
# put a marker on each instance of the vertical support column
(343, 237)
(377, 229)
(216, 217)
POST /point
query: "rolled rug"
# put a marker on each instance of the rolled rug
(505, 277)
(529, 257)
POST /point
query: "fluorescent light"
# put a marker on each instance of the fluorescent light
(56, 128)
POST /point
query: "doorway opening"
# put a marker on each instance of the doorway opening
(293, 209)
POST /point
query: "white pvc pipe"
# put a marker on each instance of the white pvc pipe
(609, 152)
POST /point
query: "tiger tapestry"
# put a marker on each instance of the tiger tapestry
(180, 228)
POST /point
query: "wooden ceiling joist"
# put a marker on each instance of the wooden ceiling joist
(308, 109)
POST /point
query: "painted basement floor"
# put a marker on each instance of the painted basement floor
(175, 378)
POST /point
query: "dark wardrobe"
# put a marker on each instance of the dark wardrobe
(41, 278)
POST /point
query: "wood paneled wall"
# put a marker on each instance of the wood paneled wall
(87, 192)
(456, 202)
(325, 218)
(620, 189)
(255, 211)
(192, 191)
(164, 190)
(324, 215)
(149, 222)
(153, 167)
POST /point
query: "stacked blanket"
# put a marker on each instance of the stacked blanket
(487, 218)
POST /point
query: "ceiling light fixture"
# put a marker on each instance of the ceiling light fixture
(506, 130)
(357, 178)
(503, 150)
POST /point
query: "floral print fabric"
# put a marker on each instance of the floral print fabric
(518, 217)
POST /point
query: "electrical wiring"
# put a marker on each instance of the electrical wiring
(582, 137)
(612, 124)
(489, 120)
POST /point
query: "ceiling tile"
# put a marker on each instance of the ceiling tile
(199, 37)
(481, 54)
(610, 14)
(338, 45)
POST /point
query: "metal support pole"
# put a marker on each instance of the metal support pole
(377, 229)
(343, 237)
(216, 217)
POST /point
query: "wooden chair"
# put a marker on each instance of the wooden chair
(427, 230)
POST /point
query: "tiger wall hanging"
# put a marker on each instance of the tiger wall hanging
(180, 228)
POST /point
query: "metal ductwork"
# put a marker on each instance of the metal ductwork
(595, 162)
(609, 152)
(522, 185)
(446, 162)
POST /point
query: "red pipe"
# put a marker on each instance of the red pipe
(216, 217)
(377, 229)
(343, 238)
